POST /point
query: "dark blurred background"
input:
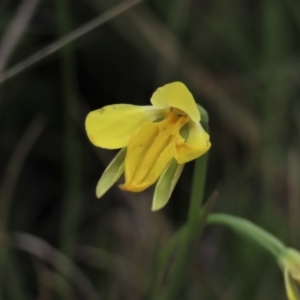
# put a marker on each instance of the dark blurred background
(240, 60)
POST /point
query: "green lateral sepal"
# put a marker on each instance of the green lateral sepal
(111, 174)
(166, 184)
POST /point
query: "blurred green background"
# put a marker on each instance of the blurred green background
(241, 61)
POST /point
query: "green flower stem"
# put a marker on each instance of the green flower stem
(161, 261)
(197, 188)
(247, 229)
(185, 240)
(177, 277)
(187, 236)
(199, 175)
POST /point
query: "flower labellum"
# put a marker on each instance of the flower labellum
(155, 141)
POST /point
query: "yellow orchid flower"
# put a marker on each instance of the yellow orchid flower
(153, 138)
(290, 263)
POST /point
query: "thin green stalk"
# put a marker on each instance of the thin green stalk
(192, 230)
(160, 261)
(178, 236)
(71, 146)
(197, 188)
(247, 229)
(177, 277)
(198, 183)
(190, 234)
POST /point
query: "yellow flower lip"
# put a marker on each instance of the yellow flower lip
(149, 154)
(151, 145)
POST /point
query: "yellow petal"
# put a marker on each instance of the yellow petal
(148, 153)
(177, 95)
(112, 126)
(196, 144)
(290, 286)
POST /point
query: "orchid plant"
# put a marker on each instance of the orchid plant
(155, 143)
